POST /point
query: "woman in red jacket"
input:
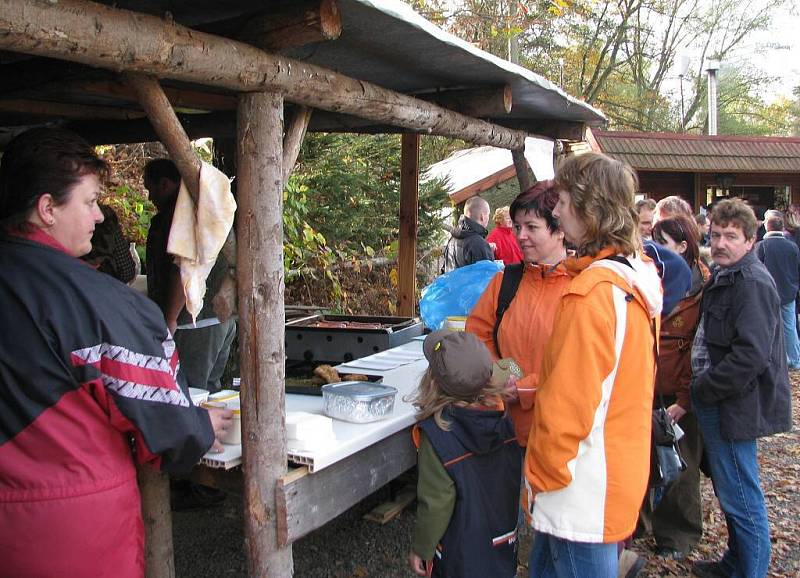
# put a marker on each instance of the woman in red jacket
(502, 238)
(90, 383)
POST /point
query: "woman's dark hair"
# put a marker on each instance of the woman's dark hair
(679, 229)
(540, 200)
(39, 161)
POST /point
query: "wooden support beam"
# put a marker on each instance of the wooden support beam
(338, 487)
(259, 236)
(478, 102)
(168, 128)
(159, 559)
(293, 25)
(67, 110)
(178, 98)
(522, 169)
(293, 140)
(409, 204)
(69, 30)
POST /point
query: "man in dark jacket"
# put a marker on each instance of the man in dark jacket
(740, 385)
(781, 257)
(468, 245)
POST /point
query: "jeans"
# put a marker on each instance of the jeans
(789, 317)
(734, 473)
(559, 558)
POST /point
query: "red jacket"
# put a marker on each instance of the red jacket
(507, 247)
(88, 387)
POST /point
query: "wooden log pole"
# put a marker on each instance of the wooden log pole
(294, 24)
(108, 37)
(168, 128)
(479, 102)
(293, 140)
(157, 517)
(259, 236)
(521, 167)
(409, 204)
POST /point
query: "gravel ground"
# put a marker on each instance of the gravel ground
(208, 543)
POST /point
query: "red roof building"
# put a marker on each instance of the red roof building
(703, 169)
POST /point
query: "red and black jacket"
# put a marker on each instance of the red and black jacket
(89, 385)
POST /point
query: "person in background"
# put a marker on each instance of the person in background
(89, 385)
(588, 455)
(703, 226)
(644, 212)
(740, 386)
(111, 253)
(528, 321)
(676, 519)
(781, 257)
(672, 206)
(469, 466)
(502, 237)
(467, 244)
(203, 347)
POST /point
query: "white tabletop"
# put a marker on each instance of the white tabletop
(353, 437)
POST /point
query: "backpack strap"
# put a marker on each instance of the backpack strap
(512, 276)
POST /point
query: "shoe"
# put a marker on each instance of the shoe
(709, 569)
(196, 496)
(670, 553)
(630, 564)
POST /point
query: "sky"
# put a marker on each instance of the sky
(782, 63)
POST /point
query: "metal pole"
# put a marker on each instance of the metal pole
(683, 121)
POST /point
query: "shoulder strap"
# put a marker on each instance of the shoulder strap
(619, 259)
(512, 276)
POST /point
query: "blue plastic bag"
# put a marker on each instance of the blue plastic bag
(456, 292)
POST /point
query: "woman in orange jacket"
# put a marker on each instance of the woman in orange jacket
(588, 456)
(528, 321)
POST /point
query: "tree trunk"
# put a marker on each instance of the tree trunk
(259, 236)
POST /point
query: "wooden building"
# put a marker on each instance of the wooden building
(703, 169)
(132, 71)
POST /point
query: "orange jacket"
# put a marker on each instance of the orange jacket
(588, 454)
(524, 331)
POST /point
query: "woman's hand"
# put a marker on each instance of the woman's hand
(511, 389)
(417, 564)
(675, 412)
(221, 422)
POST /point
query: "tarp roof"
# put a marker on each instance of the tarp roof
(702, 153)
(382, 41)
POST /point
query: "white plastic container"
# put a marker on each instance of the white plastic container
(455, 323)
(358, 401)
(233, 436)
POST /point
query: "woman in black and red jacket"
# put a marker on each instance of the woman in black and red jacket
(89, 377)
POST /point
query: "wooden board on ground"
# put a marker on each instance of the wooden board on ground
(388, 511)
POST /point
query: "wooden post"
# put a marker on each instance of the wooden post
(409, 201)
(168, 128)
(294, 24)
(293, 140)
(158, 555)
(521, 166)
(259, 239)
